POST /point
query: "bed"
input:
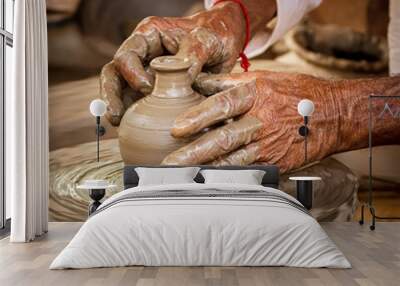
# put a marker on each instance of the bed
(201, 224)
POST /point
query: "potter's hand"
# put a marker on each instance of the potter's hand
(263, 120)
(212, 39)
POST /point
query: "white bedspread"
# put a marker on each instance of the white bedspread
(187, 231)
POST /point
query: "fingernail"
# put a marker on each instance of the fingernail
(169, 161)
(177, 131)
(180, 128)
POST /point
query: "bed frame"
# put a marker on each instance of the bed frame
(270, 179)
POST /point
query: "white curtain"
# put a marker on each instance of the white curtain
(27, 173)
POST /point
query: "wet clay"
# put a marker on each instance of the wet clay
(211, 39)
(144, 132)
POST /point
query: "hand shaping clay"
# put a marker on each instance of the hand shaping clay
(144, 132)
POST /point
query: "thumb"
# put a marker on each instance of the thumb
(209, 84)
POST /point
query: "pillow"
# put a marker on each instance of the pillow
(166, 176)
(248, 177)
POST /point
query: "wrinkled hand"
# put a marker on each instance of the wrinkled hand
(260, 122)
(212, 39)
(263, 122)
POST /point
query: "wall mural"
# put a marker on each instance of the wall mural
(210, 116)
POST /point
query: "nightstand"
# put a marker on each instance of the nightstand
(304, 187)
(97, 190)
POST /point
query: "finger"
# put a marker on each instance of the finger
(282, 149)
(170, 31)
(217, 143)
(244, 156)
(128, 59)
(150, 28)
(200, 47)
(171, 38)
(288, 156)
(224, 105)
(209, 84)
(111, 85)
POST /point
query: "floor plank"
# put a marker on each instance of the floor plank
(375, 257)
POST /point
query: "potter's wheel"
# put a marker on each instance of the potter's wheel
(335, 196)
(70, 167)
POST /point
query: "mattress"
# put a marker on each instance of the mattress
(201, 225)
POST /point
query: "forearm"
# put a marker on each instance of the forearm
(260, 13)
(352, 100)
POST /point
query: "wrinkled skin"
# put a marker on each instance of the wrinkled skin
(264, 129)
(211, 39)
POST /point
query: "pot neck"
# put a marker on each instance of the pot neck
(172, 84)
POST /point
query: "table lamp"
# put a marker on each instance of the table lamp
(98, 108)
(305, 109)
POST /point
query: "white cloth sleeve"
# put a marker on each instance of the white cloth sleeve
(289, 13)
(394, 38)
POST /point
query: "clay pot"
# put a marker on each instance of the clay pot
(144, 132)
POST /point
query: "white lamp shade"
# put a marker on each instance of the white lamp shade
(98, 107)
(305, 107)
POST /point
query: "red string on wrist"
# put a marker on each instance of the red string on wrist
(244, 62)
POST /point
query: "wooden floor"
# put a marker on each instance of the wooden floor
(375, 257)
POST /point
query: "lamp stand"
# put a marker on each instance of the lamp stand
(96, 195)
(304, 131)
(100, 131)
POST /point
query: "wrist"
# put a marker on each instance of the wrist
(259, 13)
(354, 113)
(352, 120)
